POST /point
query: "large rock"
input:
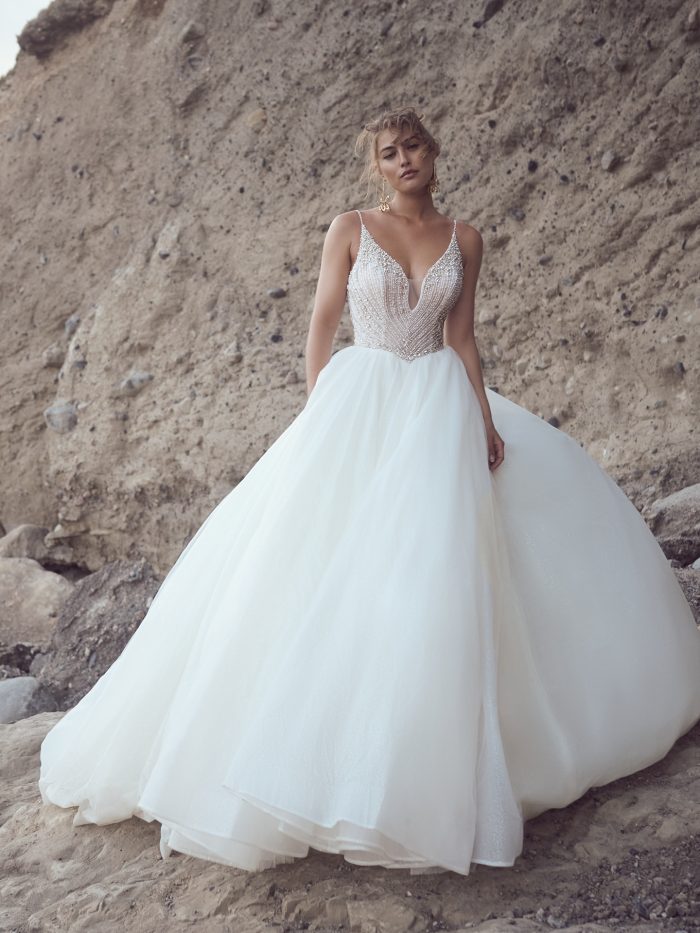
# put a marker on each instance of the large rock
(95, 623)
(689, 580)
(615, 860)
(23, 696)
(25, 541)
(675, 520)
(30, 599)
(57, 21)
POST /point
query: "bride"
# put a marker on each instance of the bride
(391, 640)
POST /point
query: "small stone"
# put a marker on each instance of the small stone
(71, 325)
(544, 260)
(291, 378)
(488, 316)
(532, 165)
(517, 212)
(163, 253)
(53, 356)
(277, 292)
(134, 382)
(256, 120)
(61, 417)
(192, 32)
(661, 312)
(609, 160)
(678, 368)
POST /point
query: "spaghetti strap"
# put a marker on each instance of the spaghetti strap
(360, 216)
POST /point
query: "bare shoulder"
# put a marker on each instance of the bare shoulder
(468, 236)
(345, 222)
(470, 242)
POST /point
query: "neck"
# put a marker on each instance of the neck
(413, 207)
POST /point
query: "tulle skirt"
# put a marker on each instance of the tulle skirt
(375, 646)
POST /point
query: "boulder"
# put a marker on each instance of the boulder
(23, 696)
(30, 599)
(95, 623)
(675, 520)
(25, 541)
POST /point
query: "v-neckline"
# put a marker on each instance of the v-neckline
(401, 268)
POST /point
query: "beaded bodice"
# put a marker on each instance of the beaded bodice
(379, 299)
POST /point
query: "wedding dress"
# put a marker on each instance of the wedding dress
(376, 646)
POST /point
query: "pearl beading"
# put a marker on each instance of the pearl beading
(378, 291)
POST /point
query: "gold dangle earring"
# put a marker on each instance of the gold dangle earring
(434, 183)
(383, 199)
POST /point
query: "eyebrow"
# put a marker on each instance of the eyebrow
(407, 140)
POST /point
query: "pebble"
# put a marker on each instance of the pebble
(61, 417)
(53, 356)
(277, 292)
(256, 119)
(134, 382)
(488, 316)
(71, 325)
(192, 32)
(609, 160)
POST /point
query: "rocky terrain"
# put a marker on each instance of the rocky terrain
(623, 857)
(168, 172)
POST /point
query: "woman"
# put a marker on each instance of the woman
(390, 640)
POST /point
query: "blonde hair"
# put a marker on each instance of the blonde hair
(405, 118)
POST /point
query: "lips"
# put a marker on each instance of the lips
(411, 171)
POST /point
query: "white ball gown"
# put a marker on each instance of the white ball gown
(376, 646)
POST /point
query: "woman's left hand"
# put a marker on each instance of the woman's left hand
(495, 446)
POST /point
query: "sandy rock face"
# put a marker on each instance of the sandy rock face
(148, 225)
(623, 857)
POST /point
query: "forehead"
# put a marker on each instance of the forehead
(389, 138)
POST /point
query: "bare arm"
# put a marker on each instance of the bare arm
(459, 334)
(459, 326)
(330, 297)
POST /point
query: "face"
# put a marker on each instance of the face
(407, 153)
